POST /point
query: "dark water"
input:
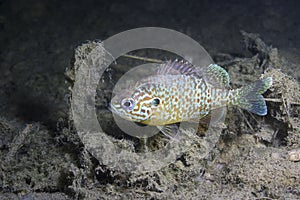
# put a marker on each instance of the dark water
(37, 38)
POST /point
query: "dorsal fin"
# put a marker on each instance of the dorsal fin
(175, 68)
(212, 74)
(215, 75)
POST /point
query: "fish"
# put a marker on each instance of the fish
(182, 92)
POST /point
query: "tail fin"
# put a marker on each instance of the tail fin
(250, 96)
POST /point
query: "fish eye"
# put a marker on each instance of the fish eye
(156, 101)
(128, 104)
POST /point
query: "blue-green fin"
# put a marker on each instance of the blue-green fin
(215, 75)
(250, 97)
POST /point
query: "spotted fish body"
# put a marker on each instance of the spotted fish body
(178, 102)
(181, 92)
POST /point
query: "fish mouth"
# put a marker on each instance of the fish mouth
(116, 112)
(111, 108)
(115, 109)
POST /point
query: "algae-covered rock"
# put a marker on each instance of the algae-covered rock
(248, 157)
(32, 162)
(249, 160)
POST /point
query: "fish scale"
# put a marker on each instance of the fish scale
(188, 98)
(181, 92)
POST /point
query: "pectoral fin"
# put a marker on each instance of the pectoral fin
(170, 130)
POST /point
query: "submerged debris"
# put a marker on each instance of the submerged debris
(19, 140)
(294, 155)
(250, 162)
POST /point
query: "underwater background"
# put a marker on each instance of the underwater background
(40, 152)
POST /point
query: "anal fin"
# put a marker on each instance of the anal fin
(218, 115)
